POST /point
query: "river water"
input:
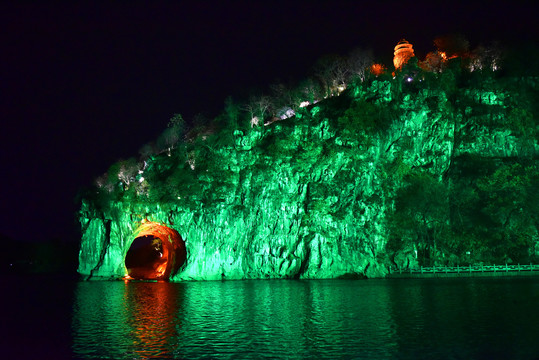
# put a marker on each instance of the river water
(461, 318)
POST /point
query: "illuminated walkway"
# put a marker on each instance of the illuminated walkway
(461, 271)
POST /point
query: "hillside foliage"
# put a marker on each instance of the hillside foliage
(433, 165)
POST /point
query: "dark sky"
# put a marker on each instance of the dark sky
(84, 85)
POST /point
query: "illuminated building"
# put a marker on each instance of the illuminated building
(403, 53)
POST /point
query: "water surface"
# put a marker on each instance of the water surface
(462, 318)
(408, 319)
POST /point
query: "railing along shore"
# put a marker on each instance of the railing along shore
(470, 270)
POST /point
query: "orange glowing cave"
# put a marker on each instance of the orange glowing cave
(156, 253)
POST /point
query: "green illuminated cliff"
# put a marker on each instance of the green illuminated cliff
(420, 169)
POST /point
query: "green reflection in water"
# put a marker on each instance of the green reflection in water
(411, 319)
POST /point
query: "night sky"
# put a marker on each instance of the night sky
(84, 85)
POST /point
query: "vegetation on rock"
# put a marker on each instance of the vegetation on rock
(349, 173)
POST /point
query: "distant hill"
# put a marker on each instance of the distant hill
(20, 257)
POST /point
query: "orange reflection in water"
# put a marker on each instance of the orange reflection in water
(153, 308)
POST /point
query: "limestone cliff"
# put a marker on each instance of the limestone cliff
(393, 172)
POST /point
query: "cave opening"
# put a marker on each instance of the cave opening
(156, 253)
(145, 257)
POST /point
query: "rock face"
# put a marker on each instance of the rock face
(380, 176)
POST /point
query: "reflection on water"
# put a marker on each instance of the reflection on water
(451, 318)
(126, 320)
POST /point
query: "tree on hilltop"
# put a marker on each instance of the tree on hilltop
(359, 63)
(452, 45)
(333, 72)
(172, 134)
(258, 108)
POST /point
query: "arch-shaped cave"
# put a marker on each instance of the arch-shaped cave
(156, 252)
